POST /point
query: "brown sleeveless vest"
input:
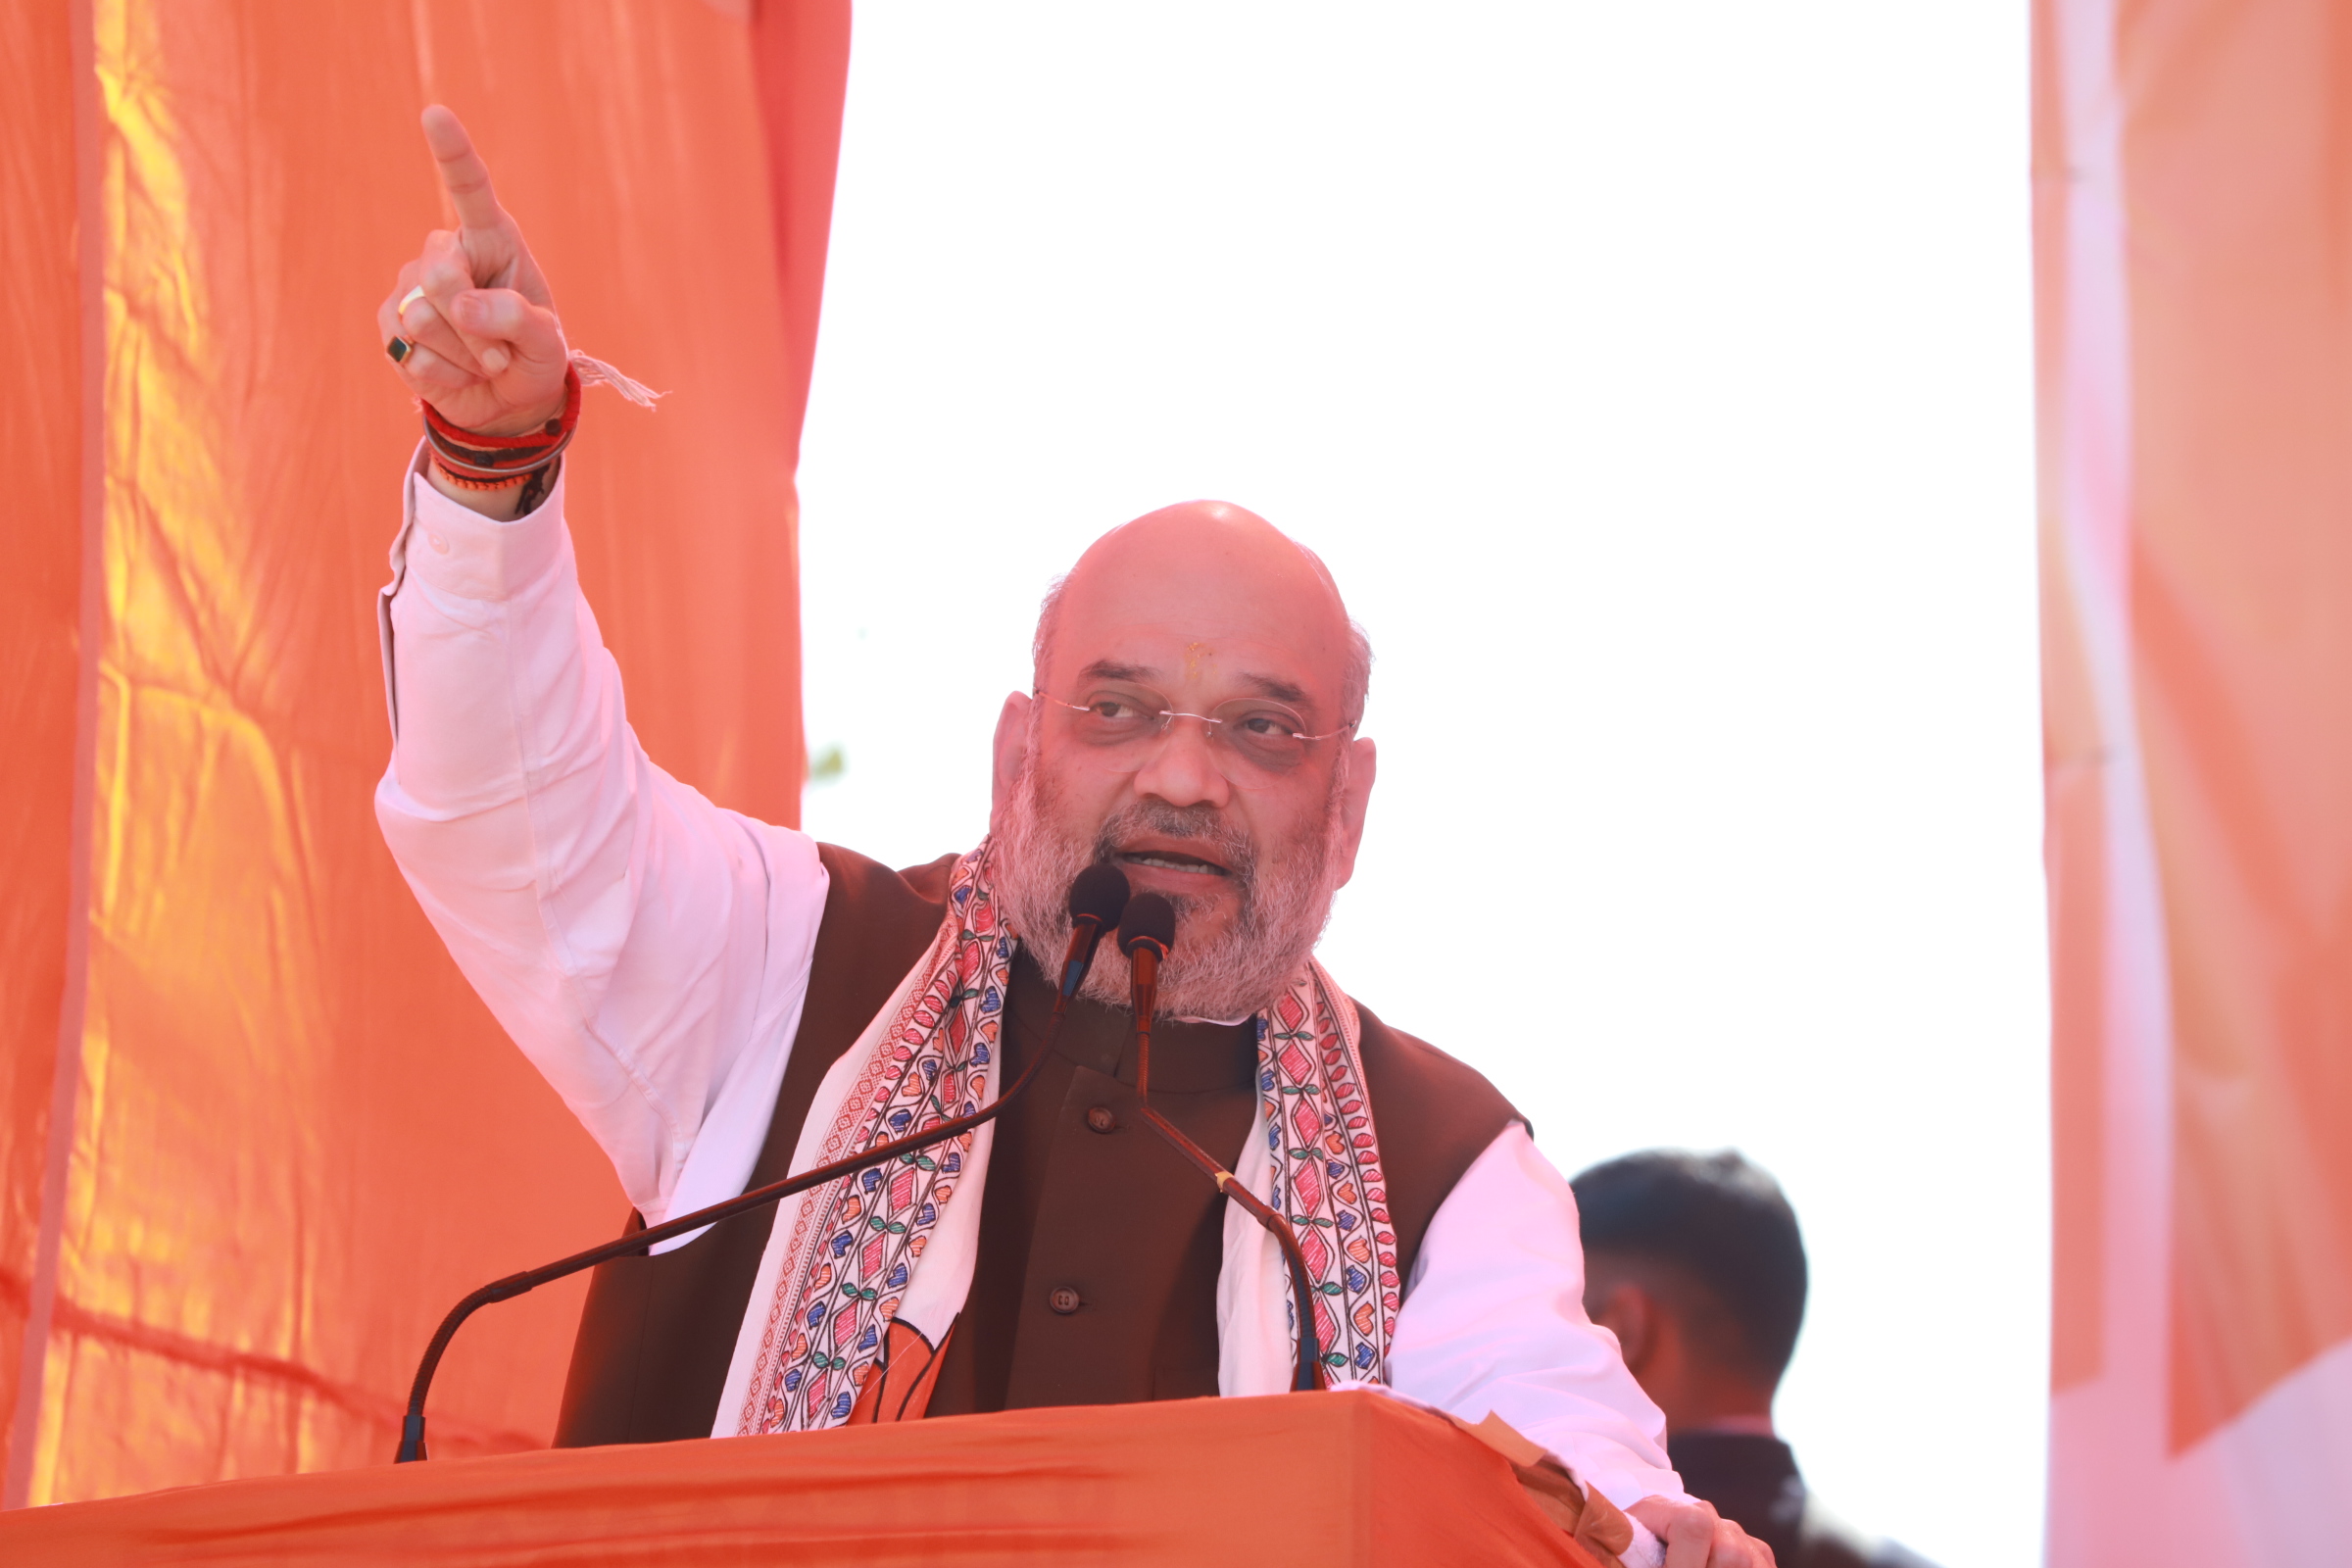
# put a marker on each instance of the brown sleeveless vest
(656, 1334)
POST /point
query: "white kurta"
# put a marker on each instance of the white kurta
(650, 953)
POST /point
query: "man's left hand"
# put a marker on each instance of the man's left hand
(1697, 1537)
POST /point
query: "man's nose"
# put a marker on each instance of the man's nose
(1183, 768)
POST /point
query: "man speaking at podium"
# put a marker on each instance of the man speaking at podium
(723, 1001)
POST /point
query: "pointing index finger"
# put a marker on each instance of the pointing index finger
(463, 174)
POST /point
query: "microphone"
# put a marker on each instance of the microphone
(1147, 934)
(1096, 900)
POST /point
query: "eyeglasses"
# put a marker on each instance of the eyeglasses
(1261, 731)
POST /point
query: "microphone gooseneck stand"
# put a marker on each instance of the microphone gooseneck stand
(1146, 936)
(1098, 897)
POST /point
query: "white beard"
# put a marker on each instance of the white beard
(1285, 899)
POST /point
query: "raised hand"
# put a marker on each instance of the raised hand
(482, 342)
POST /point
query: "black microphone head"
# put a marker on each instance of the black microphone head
(1150, 918)
(1099, 893)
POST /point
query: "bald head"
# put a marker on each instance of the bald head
(1223, 574)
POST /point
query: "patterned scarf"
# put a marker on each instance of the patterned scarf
(1325, 1174)
(843, 1258)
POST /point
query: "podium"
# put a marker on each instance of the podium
(1346, 1477)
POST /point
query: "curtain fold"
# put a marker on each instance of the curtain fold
(2195, 269)
(293, 1135)
(41, 319)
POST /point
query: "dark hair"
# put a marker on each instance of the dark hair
(1722, 1222)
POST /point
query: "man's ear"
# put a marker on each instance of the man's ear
(1356, 799)
(1628, 1311)
(1010, 753)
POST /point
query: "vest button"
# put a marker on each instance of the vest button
(1065, 1300)
(1102, 1119)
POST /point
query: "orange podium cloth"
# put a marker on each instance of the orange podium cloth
(1331, 1479)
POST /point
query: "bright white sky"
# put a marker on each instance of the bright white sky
(1656, 380)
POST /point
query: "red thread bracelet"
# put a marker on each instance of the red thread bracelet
(480, 462)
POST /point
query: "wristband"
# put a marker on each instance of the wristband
(480, 462)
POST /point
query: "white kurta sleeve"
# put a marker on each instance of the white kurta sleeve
(648, 950)
(1493, 1320)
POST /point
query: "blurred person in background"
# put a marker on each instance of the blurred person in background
(1694, 1262)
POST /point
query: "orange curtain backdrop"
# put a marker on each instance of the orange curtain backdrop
(2194, 259)
(291, 1134)
(40, 612)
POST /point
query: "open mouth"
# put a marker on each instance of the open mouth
(1172, 860)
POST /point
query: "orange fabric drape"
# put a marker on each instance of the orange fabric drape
(1339, 1479)
(291, 1134)
(40, 611)
(2241, 611)
(2194, 262)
